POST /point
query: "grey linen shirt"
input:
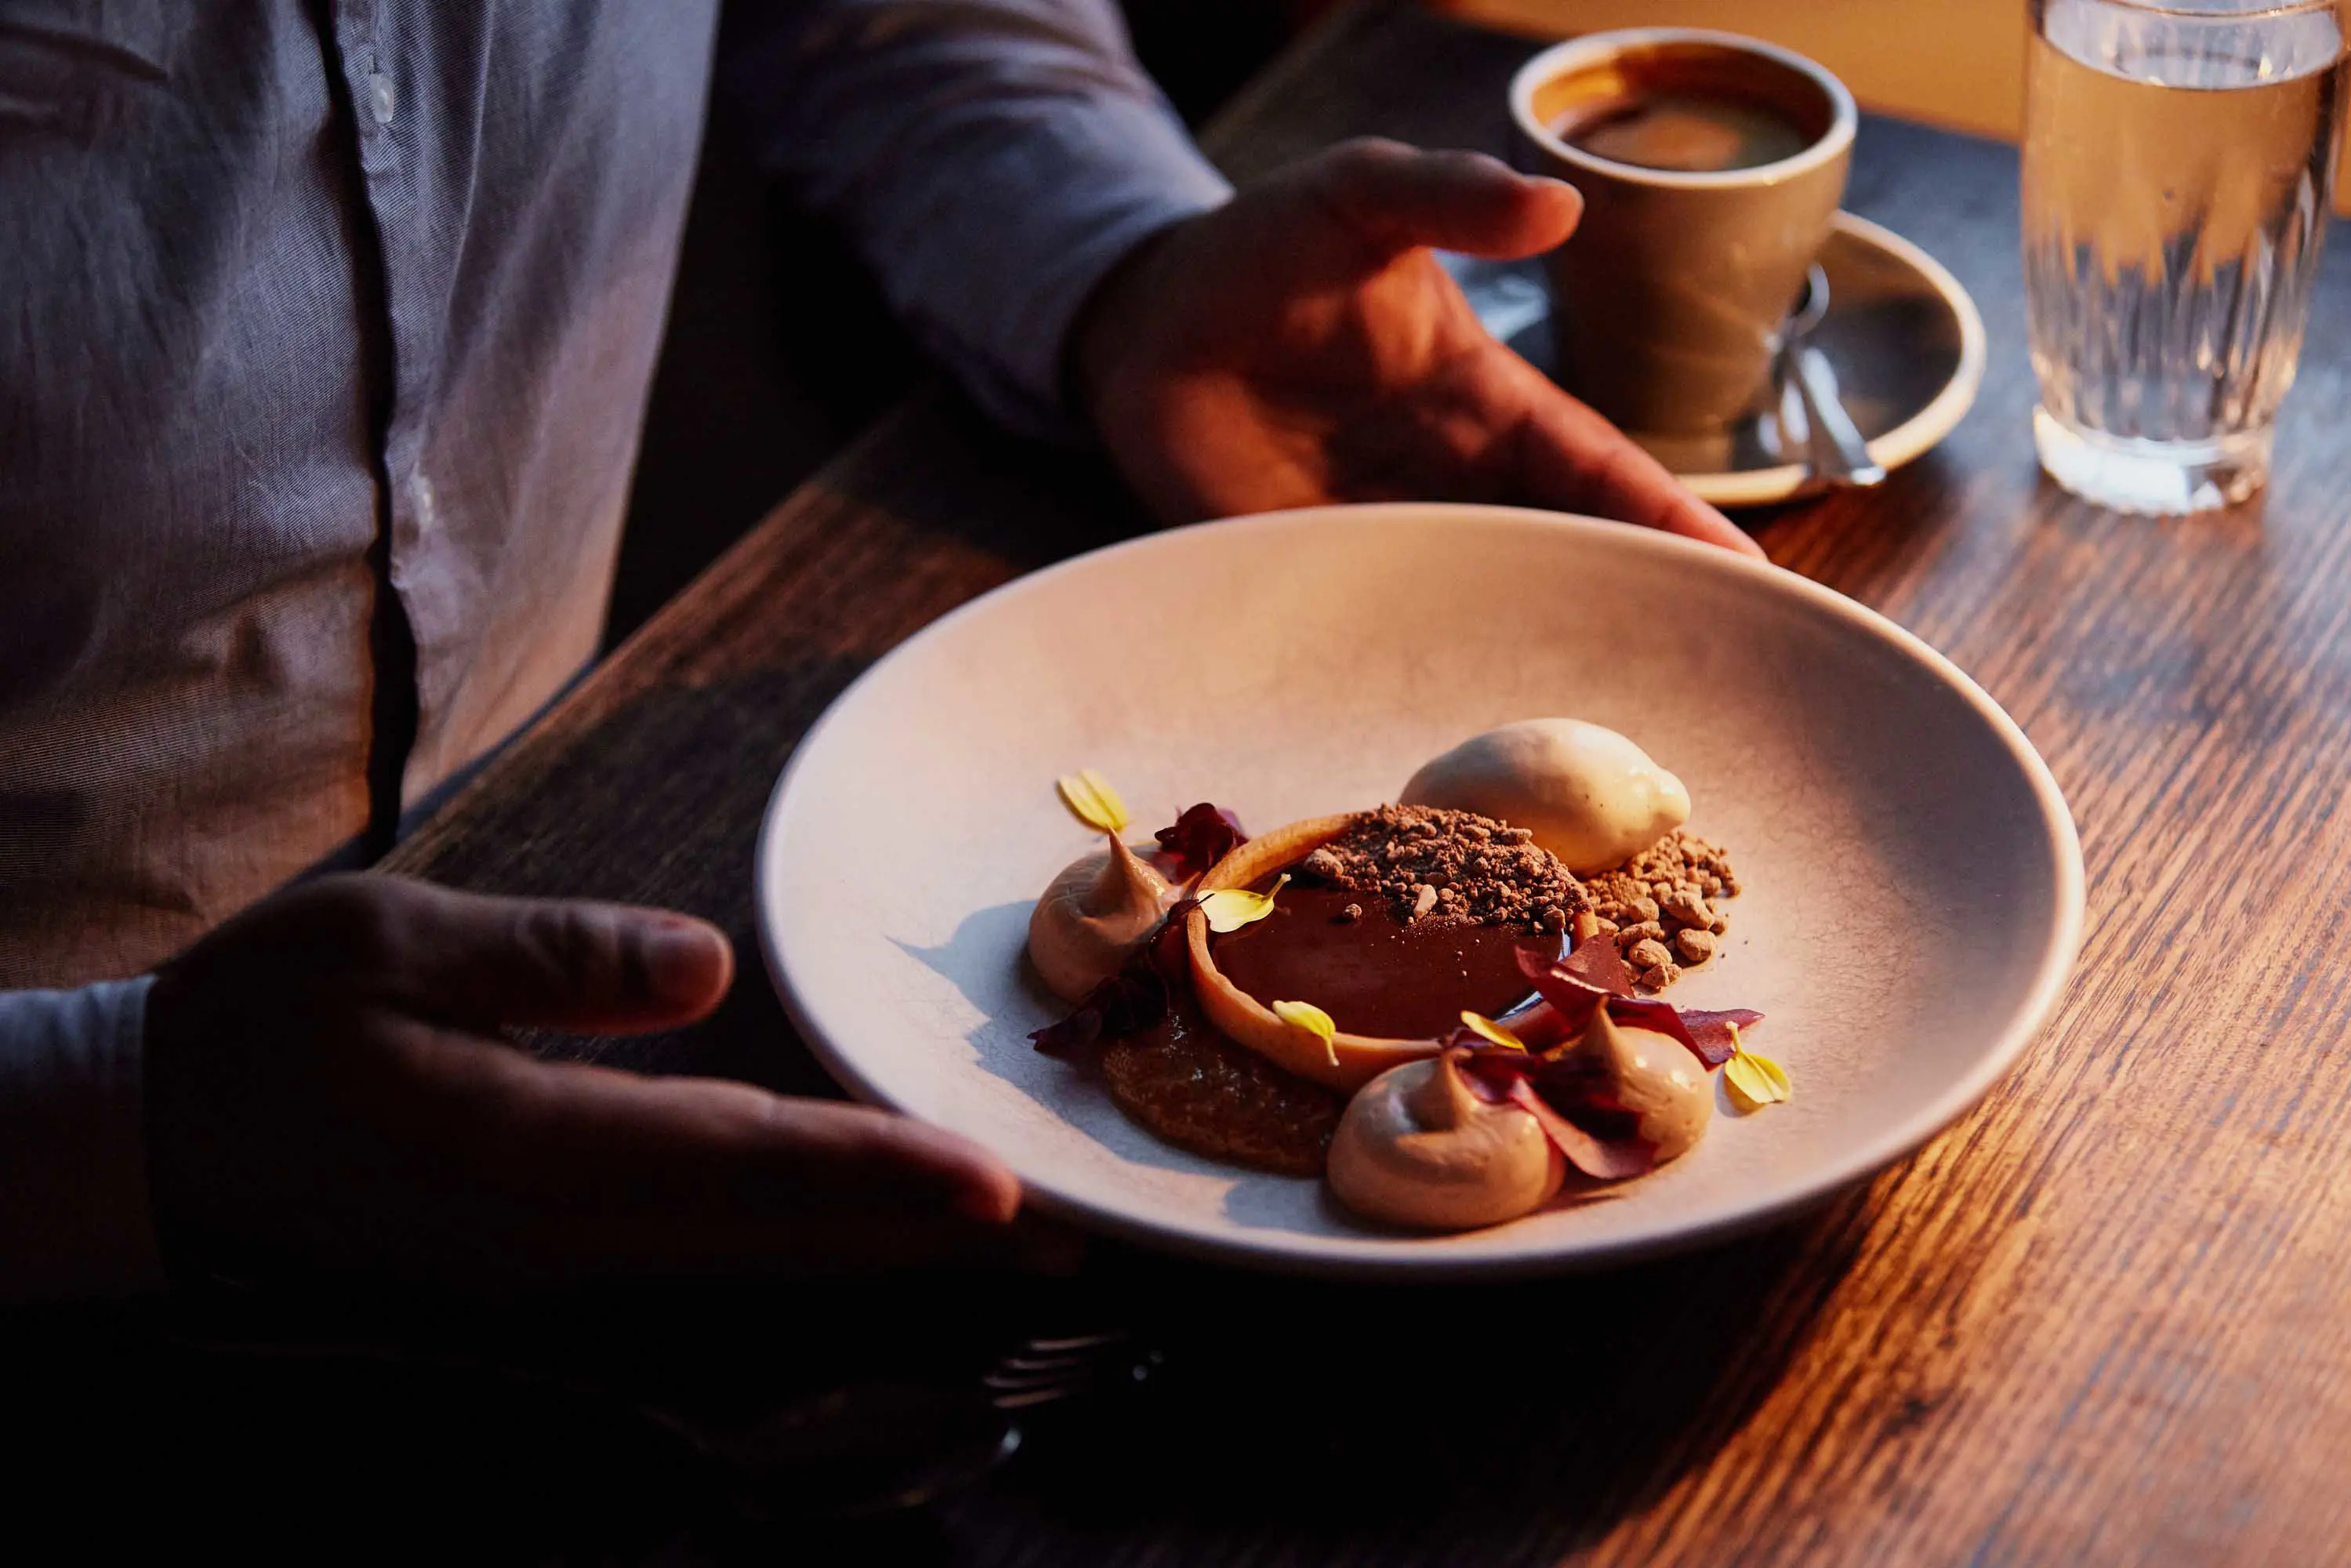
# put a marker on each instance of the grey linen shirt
(326, 329)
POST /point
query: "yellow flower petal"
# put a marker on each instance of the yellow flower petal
(1092, 800)
(1756, 1081)
(1314, 1020)
(1230, 908)
(1480, 1024)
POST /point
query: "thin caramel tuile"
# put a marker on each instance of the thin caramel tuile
(1353, 1059)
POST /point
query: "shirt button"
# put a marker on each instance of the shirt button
(421, 497)
(381, 99)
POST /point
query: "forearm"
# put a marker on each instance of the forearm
(74, 1216)
(992, 160)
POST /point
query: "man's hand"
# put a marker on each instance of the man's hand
(1302, 345)
(326, 1094)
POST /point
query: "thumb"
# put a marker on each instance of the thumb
(1396, 197)
(1569, 456)
(566, 964)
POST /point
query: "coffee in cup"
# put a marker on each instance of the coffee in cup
(1667, 129)
(1710, 166)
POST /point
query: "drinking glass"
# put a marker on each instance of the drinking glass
(2179, 170)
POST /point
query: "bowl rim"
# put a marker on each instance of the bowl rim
(1399, 1259)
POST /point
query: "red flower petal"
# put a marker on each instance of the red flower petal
(1543, 1027)
(1584, 979)
(1711, 1032)
(1610, 1159)
(1199, 838)
(1598, 1136)
(1169, 951)
(1596, 961)
(1127, 1003)
(1572, 997)
(1662, 1017)
(1066, 1039)
(1488, 1069)
(1130, 1000)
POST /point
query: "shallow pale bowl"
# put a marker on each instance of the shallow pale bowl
(1913, 885)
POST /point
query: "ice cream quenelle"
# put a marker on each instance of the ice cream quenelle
(1589, 795)
(1093, 917)
(1417, 1147)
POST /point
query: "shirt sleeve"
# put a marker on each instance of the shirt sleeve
(74, 1215)
(992, 160)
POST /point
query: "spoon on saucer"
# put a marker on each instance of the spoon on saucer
(1838, 452)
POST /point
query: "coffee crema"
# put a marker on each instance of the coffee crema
(1682, 133)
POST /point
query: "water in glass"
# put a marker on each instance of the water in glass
(2179, 170)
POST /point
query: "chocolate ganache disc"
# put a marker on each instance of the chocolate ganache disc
(1374, 972)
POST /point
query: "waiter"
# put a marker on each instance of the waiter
(326, 329)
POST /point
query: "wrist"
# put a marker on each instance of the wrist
(165, 1070)
(75, 1220)
(1106, 333)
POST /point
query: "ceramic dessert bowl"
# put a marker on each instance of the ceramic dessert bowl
(1911, 884)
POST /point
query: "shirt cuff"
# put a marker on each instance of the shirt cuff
(75, 1220)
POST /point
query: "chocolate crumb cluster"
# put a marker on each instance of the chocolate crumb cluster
(1432, 864)
(1664, 906)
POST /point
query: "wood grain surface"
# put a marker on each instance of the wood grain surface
(2106, 1318)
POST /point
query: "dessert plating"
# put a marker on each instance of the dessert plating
(1421, 1001)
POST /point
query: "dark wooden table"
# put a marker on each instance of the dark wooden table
(2105, 1318)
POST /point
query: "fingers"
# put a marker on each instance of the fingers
(1572, 458)
(1396, 197)
(591, 1171)
(565, 964)
(320, 1096)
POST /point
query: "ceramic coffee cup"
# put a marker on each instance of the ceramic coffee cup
(1669, 296)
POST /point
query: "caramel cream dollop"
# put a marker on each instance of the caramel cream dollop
(1589, 795)
(1092, 919)
(1658, 1079)
(1417, 1148)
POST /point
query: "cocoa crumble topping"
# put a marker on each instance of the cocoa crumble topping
(1664, 906)
(1432, 864)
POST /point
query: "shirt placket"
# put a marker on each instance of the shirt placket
(381, 72)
